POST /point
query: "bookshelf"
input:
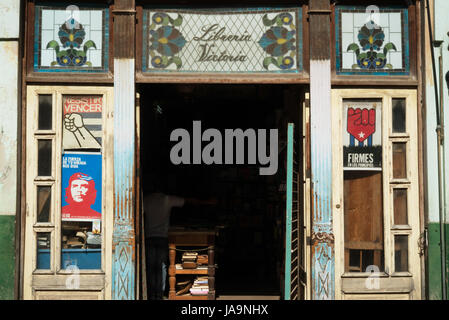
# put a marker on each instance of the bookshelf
(182, 237)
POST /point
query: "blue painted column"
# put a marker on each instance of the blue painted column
(123, 237)
(323, 259)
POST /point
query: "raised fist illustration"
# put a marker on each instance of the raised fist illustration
(361, 123)
(73, 121)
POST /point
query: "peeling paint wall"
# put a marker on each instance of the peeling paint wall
(9, 51)
(9, 18)
(8, 126)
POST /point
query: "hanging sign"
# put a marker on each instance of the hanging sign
(223, 40)
(362, 135)
(81, 186)
(82, 122)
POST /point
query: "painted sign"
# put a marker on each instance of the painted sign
(82, 122)
(81, 186)
(362, 135)
(223, 40)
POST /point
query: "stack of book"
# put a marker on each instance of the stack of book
(200, 287)
(189, 260)
(43, 242)
(182, 287)
(202, 259)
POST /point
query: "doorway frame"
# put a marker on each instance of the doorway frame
(96, 283)
(301, 115)
(392, 285)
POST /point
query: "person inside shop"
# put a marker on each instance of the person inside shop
(158, 204)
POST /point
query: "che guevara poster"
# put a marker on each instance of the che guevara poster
(81, 186)
(362, 135)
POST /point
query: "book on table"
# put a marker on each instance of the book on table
(202, 259)
(184, 289)
(198, 292)
(189, 256)
(189, 265)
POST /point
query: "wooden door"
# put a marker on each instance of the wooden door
(61, 263)
(375, 194)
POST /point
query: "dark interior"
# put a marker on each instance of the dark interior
(250, 210)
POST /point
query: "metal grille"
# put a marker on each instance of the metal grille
(295, 227)
(293, 223)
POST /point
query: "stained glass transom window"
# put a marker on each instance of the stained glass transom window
(372, 42)
(71, 39)
(223, 40)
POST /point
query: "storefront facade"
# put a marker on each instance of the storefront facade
(354, 191)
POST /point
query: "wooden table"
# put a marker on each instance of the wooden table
(195, 238)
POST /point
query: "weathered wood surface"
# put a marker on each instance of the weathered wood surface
(68, 295)
(123, 246)
(322, 237)
(123, 239)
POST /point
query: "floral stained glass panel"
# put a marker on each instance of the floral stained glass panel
(372, 43)
(72, 39)
(223, 40)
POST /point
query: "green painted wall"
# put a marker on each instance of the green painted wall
(7, 256)
(435, 261)
(441, 27)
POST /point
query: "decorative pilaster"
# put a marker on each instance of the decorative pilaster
(123, 238)
(323, 259)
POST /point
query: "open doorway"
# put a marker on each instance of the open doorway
(250, 209)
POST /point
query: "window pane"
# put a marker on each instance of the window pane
(398, 115)
(43, 203)
(400, 206)
(399, 160)
(81, 245)
(43, 250)
(44, 158)
(363, 220)
(401, 253)
(45, 112)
